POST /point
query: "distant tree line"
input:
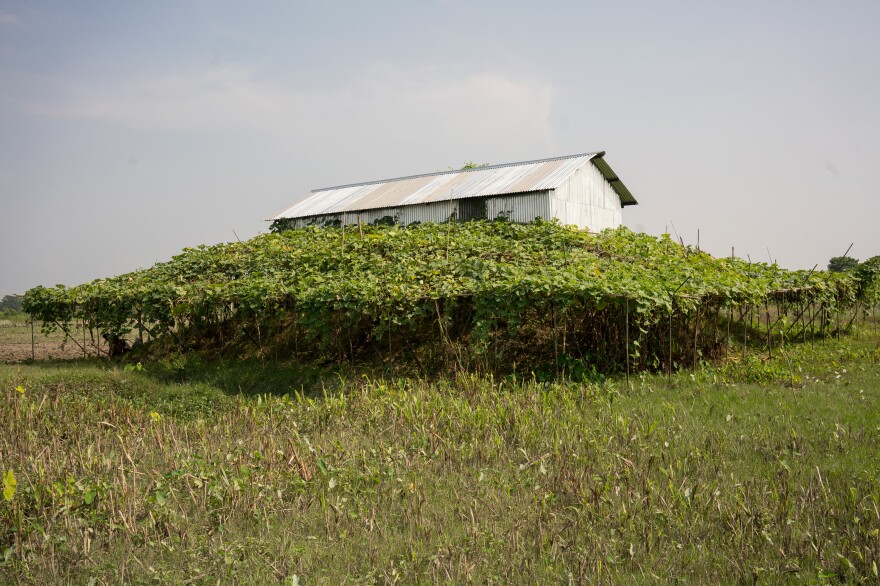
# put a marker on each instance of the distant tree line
(11, 303)
(842, 264)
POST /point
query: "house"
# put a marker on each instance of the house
(579, 189)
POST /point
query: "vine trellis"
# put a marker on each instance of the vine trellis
(474, 293)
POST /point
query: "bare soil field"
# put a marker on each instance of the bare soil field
(16, 344)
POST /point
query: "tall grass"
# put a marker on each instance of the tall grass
(762, 470)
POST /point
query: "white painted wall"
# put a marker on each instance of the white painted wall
(587, 200)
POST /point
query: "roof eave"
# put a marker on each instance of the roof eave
(619, 187)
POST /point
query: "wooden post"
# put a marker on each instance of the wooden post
(449, 226)
(812, 324)
(84, 336)
(780, 312)
(727, 338)
(627, 341)
(696, 330)
(669, 372)
(33, 342)
(838, 317)
(802, 318)
(855, 319)
(671, 308)
(782, 340)
(564, 331)
(296, 338)
(360, 228)
(752, 318)
(769, 330)
(555, 339)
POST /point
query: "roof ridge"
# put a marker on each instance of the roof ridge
(596, 154)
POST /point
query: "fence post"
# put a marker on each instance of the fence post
(33, 343)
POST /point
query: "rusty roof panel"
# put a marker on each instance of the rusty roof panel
(540, 174)
(386, 195)
(440, 187)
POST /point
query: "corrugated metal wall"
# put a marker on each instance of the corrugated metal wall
(403, 215)
(587, 200)
(520, 208)
(516, 208)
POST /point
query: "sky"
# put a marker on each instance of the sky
(129, 131)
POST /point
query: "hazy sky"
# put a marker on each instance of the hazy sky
(129, 131)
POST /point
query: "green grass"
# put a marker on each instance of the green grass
(191, 471)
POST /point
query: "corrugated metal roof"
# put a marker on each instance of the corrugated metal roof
(505, 179)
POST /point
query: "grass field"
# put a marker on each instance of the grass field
(191, 472)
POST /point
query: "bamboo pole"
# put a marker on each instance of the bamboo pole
(802, 319)
(671, 309)
(727, 338)
(67, 333)
(814, 329)
(555, 338)
(627, 341)
(669, 372)
(752, 318)
(838, 317)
